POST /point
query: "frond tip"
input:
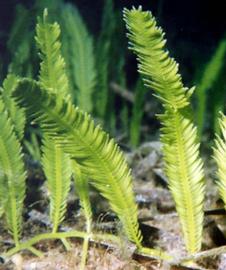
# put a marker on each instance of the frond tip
(159, 70)
(52, 69)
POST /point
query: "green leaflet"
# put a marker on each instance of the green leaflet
(12, 175)
(56, 163)
(183, 166)
(99, 157)
(81, 59)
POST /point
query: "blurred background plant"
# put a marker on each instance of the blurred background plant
(210, 90)
(101, 71)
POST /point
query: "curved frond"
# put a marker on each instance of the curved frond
(220, 158)
(81, 57)
(12, 175)
(99, 157)
(183, 165)
(159, 70)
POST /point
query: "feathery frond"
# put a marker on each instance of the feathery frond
(57, 168)
(56, 163)
(52, 70)
(179, 136)
(15, 113)
(184, 170)
(159, 70)
(98, 156)
(82, 188)
(220, 158)
(12, 175)
(82, 63)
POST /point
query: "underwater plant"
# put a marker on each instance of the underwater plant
(56, 163)
(92, 64)
(75, 147)
(12, 169)
(96, 154)
(72, 144)
(183, 165)
(80, 60)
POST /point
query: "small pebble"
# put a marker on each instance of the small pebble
(17, 259)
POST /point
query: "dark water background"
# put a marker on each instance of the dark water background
(193, 27)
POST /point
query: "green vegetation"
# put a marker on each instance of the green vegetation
(58, 99)
(12, 172)
(80, 56)
(72, 144)
(56, 163)
(208, 80)
(179, 137)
